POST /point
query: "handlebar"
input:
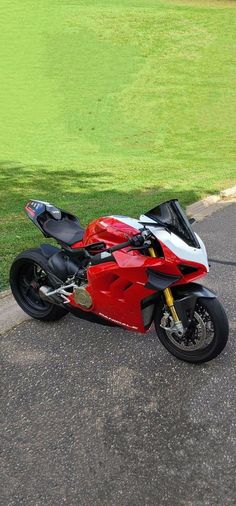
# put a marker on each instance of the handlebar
(137, 241)
(119, 246)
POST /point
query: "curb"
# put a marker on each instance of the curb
(11, 315)
(228, 193)
(5, 293)
(206, 207)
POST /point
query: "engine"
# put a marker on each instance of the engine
(82, 297)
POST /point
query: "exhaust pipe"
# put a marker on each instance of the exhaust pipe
(44, 293)
(58, 296)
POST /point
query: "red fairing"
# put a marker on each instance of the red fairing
(173, 262)
(106, 229)
(118, 288)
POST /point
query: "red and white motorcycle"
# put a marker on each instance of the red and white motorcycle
(125, 272)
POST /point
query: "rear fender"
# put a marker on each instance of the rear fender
(47, 250)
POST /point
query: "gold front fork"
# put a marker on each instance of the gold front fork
(168, 294)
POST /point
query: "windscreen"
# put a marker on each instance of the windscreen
(171, 216)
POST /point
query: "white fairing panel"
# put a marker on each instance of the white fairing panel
(132, 222)
(180, 248)
(171, 240)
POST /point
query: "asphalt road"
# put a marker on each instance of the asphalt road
(94, 416)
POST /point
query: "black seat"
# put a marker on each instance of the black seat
(65, 230)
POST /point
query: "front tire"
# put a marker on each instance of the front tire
(206, 336)
(28, 272)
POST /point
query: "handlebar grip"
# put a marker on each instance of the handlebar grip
(136, 241)
(120, 246)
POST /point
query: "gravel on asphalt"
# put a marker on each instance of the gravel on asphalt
(99, 416)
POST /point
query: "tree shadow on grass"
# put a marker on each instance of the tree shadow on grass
(91, 192)
(87, 194)
(20, 182)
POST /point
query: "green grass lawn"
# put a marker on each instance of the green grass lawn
(110, 106)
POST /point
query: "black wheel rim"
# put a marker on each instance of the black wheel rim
(31, 278)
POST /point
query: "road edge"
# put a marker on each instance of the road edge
(206, 207)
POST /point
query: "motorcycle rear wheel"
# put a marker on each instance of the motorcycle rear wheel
(28, 272)
(206, 336)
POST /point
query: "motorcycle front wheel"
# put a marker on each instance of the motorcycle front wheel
(205, 337)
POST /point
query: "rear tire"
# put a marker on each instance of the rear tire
(212, 314)
(28, 272)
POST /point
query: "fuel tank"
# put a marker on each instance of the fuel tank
(111, 230)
